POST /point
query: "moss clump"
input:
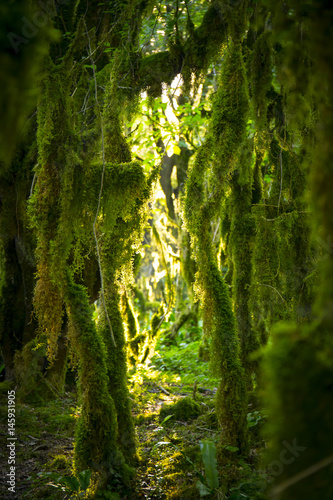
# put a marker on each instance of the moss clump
(184, 409)
(59, 462)
(210, 420)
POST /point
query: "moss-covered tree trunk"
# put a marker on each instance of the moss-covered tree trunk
(96, 432)
(117, 372)
(298, 365)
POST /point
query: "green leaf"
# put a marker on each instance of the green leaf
(203, 490)
(208, 452)
(166, 419)
(176, 150)
(70, 482)
(50, 475)
(233, 449)
(84, 479)
(239, 496)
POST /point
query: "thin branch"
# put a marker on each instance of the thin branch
(281, 178)
(285, 215)
(301, 475)
(217, 228)
(270, 286)
(100, 196)
(32, 185)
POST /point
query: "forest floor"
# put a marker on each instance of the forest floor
(173, 410)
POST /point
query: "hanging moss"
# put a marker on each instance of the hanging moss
(242, 232)
(227, 132)
(236, 15)
(257, 185)
(156, 321)
(261, 72)
(48, 205)
(130, 320)
(267, 295)
(115, 147)
(204, 43)
(230, 111)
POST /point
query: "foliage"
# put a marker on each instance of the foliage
(208, 452)
(72, 485)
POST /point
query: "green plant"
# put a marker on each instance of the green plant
(254, 418)
(75, 487)
(210, 482)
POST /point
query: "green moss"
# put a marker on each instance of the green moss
(230, 111)
(6, 386)
(227, 133)
(154, 70)
(96, 432)
(59, 462)
(241, 238)
(257, 185)
(231, 399)
(33, 383)
(130, 319)
(261, 71)
(117, 374)
(184, 409)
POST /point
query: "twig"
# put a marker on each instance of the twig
(301, 475)
(270, 286)
(281, 178)
(204, 429)
(284, 215)
(163, 390)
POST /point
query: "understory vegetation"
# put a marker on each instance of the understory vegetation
(174, 384)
